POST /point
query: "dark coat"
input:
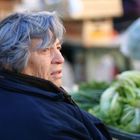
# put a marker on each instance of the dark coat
(35, 109)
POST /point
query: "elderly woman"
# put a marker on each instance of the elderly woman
(33, 105)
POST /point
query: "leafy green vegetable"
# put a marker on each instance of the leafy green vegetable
(120, 103)
(131, 119)
(87, 98)
(110, 105)
(94, 85)
(89, 94)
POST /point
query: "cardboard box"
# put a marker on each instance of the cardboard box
(90, 33)
(86, 9)
(73, 31)
(101, 9)
(99, 33)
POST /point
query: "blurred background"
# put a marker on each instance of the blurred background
(94, 29)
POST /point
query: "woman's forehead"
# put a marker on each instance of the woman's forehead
(35, 42)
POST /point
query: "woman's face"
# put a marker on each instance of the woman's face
(46, 63)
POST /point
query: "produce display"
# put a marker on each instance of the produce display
(118, 105)
(89, 94)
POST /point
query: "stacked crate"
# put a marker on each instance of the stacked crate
(92, 25)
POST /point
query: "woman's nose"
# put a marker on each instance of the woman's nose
(57, 58)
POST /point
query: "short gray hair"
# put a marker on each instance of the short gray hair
(16, 32)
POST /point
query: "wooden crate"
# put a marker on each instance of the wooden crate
(87, 9)
(90, 33)
(102, 8)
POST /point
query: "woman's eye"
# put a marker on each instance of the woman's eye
(59, 48)
(45, 50)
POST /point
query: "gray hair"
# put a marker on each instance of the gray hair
(16, 32)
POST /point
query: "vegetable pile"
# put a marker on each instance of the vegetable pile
(120, 103)
(89, 94)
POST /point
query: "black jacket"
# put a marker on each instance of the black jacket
(35, 109)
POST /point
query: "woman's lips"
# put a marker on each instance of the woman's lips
(57, 74)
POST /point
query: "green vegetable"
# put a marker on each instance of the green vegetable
(131, 119)
(110, 105)
(94, 85)
(128, 115)
(120, 103)
(87, 98)
(89, 94)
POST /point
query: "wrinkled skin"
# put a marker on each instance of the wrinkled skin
(45, 63)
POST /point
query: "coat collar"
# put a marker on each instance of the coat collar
(34, 86)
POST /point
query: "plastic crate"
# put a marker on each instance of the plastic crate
(121, 135)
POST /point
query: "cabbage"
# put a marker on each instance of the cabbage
(120, 103)
(130, 120)
(110, 105)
